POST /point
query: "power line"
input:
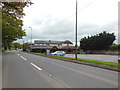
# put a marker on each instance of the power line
(72, 15)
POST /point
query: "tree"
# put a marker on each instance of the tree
(100, 41)
(17, 45)
(12, 12)
(25, 45)
(115, 47)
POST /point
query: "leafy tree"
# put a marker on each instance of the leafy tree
(25, 46)
(100, 41)
(17, 45)
(12, 12)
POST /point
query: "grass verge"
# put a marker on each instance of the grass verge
(111, 64)
(2, 50)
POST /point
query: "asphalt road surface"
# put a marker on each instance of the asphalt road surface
(23, 70)
(109, 58)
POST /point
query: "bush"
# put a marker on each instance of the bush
(99, 42)
(114, 47)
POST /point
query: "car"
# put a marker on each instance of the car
(58, 53)
(118, 60)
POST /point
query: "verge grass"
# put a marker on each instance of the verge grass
(98, 62)
(2, 50)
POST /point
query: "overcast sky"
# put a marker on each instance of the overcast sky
(55, 19)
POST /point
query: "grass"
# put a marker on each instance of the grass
(111, 64)
(2, 50)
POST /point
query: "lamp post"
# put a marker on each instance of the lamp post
(76, 34)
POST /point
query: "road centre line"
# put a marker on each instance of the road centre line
(23, 58)
(36, 66)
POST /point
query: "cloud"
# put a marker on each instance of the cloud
(48, 20)
(66, 31)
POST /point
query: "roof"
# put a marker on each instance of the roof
(67, 42)
(52, 42)
(47, 42)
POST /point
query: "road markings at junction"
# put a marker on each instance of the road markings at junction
(23, 58)
(36, 66)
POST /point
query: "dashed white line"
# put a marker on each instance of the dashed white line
(18, 54)
(23, 58)
(36, 66)
(49, 75)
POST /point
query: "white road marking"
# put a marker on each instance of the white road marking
(23, 58)
(49, 75)
(36, 66)
(18, 54)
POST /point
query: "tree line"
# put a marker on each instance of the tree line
(12, 12)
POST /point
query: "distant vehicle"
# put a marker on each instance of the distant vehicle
(58, 53)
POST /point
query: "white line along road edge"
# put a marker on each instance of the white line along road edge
(23, 58)
(36, 66)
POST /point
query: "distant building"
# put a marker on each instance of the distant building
(43, 45)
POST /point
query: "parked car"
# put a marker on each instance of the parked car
(58, 53)
(118, 60)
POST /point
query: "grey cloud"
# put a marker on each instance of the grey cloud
(59, 29)
(91, 29)
(87, 28)
(52, 30)
(45, 21)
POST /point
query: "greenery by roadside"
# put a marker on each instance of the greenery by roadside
(12, 14)
(2, 50)
(101, 41)
(111, 64)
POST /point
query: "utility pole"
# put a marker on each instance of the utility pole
(31, 35)
(23, 46)
(31, 39)
(76, 34)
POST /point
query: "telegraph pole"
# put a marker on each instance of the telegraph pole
(31, 38)
(31, 35)
(76, 34)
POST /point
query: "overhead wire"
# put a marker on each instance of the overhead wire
(53, 28)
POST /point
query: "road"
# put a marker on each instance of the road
(23, 70)
(109, 58)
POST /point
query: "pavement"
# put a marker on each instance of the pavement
(109, 58)
(23, 70)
